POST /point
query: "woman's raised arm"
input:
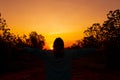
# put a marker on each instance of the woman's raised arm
(36, 52)
(81, 52)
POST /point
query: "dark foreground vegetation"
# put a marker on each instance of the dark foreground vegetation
(97, 66)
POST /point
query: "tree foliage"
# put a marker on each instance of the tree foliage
(5, 31)
(9, 42)
(107, 34)
(37, 41)
(111, 29)
(77, 45)
(93, 36)
(34, 40)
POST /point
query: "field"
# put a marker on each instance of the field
(91, 67)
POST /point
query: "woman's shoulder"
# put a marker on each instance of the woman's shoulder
(68, 52)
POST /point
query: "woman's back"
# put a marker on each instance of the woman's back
(58, 65)
(57, 68)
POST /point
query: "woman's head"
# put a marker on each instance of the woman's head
(58, 46)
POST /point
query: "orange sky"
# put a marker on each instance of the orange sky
(55, 18)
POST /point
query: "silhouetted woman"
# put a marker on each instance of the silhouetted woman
(58, 51)
(58, 61)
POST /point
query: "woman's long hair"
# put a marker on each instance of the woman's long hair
(58, 48)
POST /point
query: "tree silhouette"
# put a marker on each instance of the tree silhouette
(111, 29)
(77, 45)
(9, 42)
(93, 36)
(107, 35)
(37, 41)
(4, 28)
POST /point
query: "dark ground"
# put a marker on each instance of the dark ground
(85, 68)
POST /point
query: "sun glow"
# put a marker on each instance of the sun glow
(51, 48)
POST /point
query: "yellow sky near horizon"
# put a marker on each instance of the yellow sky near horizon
(55, 18)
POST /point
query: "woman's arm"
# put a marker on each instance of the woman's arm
(82, 52)
(35, 51)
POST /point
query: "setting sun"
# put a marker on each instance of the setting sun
(51, 48)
